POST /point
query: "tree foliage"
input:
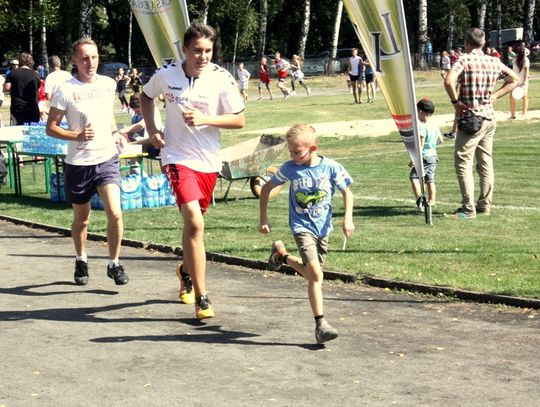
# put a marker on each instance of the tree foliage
(238, 23)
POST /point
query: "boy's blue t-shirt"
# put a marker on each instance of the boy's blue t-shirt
(430, 133)
(310, 194)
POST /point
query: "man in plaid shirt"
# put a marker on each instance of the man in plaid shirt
(470, 84)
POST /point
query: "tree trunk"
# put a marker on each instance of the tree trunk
(499, 24)
(329, 66)
(30, 29)
(528, 29)
(44, 54)
(205, 12)
(451, 29)
(85, 29)
(305, 29)
(262, 28)
(235, 44)
(422, 33)
(482, 15)
(130, 34)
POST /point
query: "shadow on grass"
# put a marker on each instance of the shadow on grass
(34, 201)
(378, 211)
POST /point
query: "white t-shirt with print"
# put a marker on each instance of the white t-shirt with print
(213, 93)
(54, 80)
(84, 104)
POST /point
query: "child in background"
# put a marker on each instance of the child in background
(264, 78)
(243, 77)
(430, 137)
(282, 68)
(313, 181)
(297, 74)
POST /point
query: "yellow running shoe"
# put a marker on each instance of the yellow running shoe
(203, 308)
(186, 294)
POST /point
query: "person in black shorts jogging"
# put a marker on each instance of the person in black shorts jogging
(91, 163)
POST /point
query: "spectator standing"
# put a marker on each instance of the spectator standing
(445, 64)
(476, 75)
(429, 53)
(2, 81)
(91, 164)
(122, 82)
(370, 82)
(23, 86)
(511, 55)
(56, 77)
(135, 81)
(521, 67)
(243, 77)
(356, 69)
(201, 98)
(430, 137)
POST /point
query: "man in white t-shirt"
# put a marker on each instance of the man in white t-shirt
(356, 70)
(56, 77)
(201, 98)
(91, 163)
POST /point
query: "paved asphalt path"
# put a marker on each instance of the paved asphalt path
(136, 345)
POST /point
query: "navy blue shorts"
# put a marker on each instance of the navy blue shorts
(81, 181)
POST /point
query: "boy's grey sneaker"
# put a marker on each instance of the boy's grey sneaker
(81, 272)
(117, 274)
(278, 250)
(419, 204)
(324, 332)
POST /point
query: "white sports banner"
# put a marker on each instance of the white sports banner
(382, 31)
(163, 23)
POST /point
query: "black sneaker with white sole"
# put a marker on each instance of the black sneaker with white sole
(81, 272)
(118, 274)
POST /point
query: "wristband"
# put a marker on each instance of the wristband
(453, 102)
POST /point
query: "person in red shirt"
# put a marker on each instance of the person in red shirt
(264, 78)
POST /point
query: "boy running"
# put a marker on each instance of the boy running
(313, 181)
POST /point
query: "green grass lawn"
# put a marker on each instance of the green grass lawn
(497, 254)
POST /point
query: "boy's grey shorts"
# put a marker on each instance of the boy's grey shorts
(311, 247)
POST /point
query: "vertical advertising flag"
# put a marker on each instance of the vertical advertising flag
(163, 23)
(382, 31)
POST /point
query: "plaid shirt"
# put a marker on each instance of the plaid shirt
(477, 75)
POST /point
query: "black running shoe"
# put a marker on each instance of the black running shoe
(117, 274)
(81, 272)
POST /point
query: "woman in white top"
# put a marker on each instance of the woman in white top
(445, 64)
(521, 67)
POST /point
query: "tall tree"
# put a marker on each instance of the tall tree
(422, 33)
(329, 68)
(85, 29)
(528, 20)
(305, 29)
(262, 28)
